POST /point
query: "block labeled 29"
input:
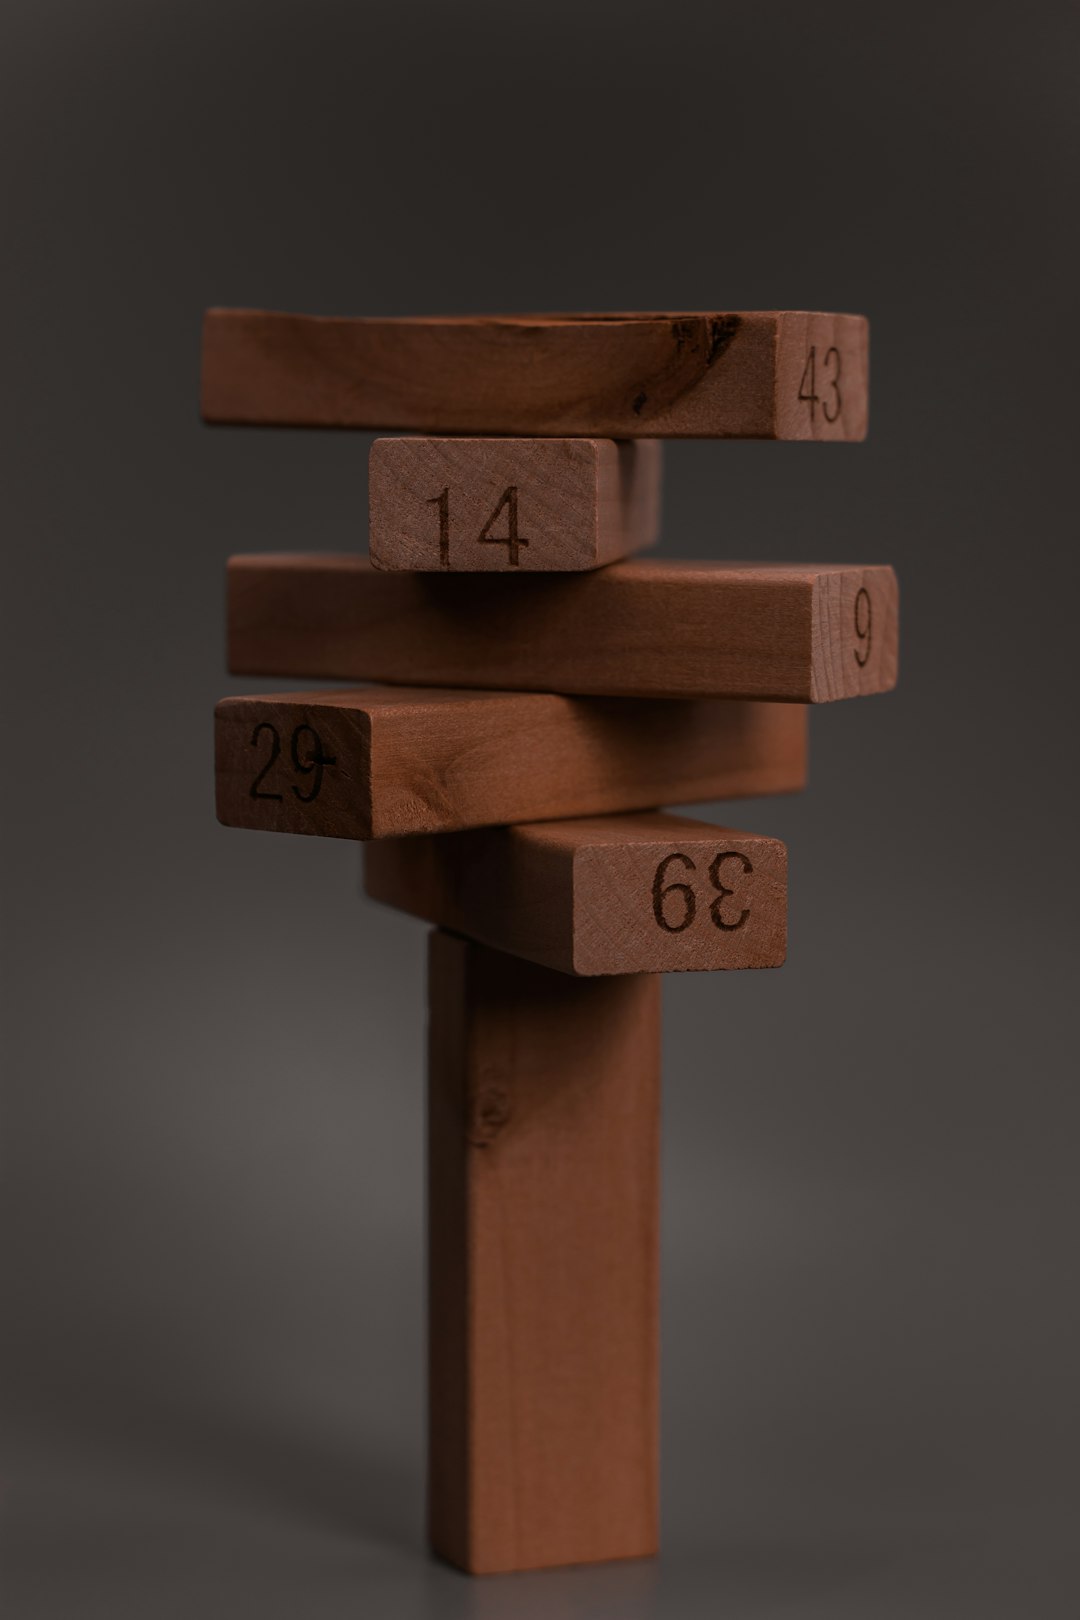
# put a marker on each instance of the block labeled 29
(511, 505)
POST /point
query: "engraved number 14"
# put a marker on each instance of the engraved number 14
(512, 540)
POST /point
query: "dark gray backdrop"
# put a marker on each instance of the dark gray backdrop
(214, 1116)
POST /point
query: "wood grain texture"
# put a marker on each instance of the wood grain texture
(793, 633)
(543, 1181)
(385, 761)
(511, 505)
(709, 375)
(641, 893)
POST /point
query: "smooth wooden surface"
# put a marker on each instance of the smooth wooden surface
(640, 893)
(384, 760)
(543, 1172)
(511, 505)
(794, 633)
(761, 375)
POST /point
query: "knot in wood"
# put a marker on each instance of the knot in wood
(489, 1114)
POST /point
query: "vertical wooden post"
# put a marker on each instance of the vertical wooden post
(543, 1182)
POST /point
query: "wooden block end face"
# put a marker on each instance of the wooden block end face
(822, 377)
(683, 898)
(856, 633)
(510, 505)
(295, 763)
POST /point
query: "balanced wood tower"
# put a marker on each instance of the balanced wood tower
(538, 699)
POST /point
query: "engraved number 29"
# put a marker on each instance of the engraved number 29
(308, 760)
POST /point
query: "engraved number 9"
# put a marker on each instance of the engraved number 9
(864, 626)
(313, 765)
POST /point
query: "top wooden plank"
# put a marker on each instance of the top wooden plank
(776, 374)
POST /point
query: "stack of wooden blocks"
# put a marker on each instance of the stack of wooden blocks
(541, 699)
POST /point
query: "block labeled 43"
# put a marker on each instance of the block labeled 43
(726, 374)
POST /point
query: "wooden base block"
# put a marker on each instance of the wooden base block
(543, 1178)
(476, 506)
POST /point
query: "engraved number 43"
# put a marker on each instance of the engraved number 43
(831, 403)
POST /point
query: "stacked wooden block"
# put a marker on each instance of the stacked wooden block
(538, 699)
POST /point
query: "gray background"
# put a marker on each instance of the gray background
(214, 1118)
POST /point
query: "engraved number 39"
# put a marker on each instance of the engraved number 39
(674, 922)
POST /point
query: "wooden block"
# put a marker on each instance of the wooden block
(644, 893)
(543, 1182)
(637, 629)
(777, 374)
(475, 506)
(384, 761)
